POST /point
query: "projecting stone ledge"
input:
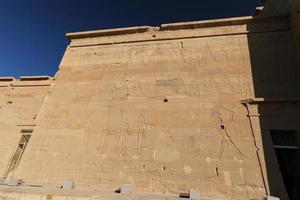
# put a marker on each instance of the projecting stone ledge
(109, 32)
(34, 78)
(7, 79)
(53, 193)
(173, 26)
(270, 100)
(26, 81)
(181, 30)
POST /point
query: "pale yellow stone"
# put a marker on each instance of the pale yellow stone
(165, 109)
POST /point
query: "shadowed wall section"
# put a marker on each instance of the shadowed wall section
(275, 69)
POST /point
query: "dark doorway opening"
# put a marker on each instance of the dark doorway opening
(286, 145)
(15, 160)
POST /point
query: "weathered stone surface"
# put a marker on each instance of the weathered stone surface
(107, 113)
(165, 109)
(19, 107)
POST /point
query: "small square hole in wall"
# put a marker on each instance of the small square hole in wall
(166, 100)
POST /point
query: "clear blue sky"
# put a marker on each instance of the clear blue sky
(33, 39)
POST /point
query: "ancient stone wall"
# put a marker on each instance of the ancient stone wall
(158, 108)
(166, 109)
(20, 101)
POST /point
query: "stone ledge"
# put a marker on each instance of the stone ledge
(269, 100)
(34, 78)
(26, 81)
(172, 26)
(180, 31)
(51, 193)
(208, 23)
(7, 79)
(109, 32)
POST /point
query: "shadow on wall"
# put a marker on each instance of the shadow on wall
(276, 71)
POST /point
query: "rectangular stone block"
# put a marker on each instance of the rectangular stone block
(194, 194)
(68, 184)
(14, 182)
(126, 189)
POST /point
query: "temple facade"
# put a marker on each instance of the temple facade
(208, 105)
